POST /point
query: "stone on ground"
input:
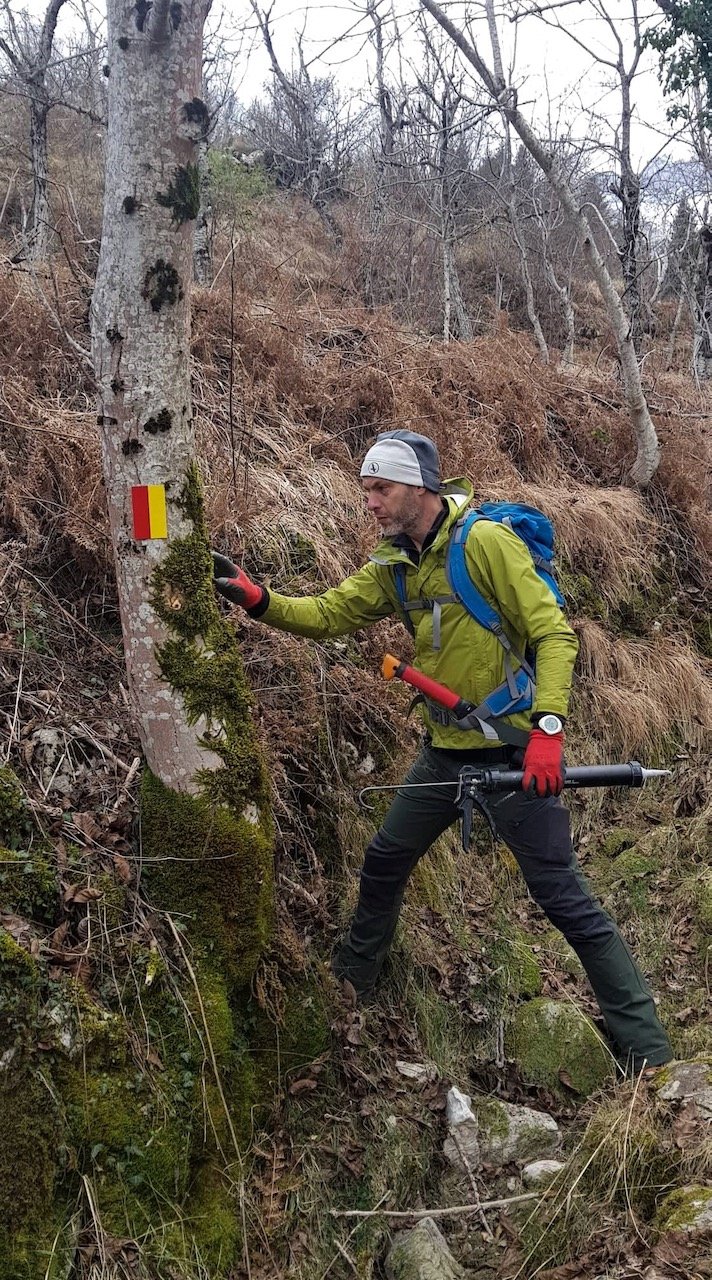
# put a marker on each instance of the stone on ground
(541, 1172)
(688, 1209)
(422, 1254)
(510, 1132)
(555, 1046)
(687, 1082)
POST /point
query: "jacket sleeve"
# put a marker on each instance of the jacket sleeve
(502, 564)
(358, 601)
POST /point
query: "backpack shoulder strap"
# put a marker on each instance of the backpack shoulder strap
(399, 576)
(460, 579)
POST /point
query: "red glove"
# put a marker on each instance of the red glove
(544, 764)
(234, 584)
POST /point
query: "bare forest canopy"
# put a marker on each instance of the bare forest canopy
(186, 1093)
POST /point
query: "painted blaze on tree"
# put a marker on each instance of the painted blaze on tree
(205, 818)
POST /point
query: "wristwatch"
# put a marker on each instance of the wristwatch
(550, 724)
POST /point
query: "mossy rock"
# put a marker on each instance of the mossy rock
(30, 1134)
(688, 1209)
(510, 1132)
(552, 1041)
(616, 841)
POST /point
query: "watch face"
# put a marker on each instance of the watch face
(550, 724)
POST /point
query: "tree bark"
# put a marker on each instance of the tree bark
(40, 234)
(648, 447)
(702, 358)
(202, 245)
(140, 340)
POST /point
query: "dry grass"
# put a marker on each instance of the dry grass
(643, 691)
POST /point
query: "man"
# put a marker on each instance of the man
(416, 513)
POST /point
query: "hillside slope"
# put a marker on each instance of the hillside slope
(293, 379)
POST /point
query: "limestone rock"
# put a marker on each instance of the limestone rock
(462, 1147)
(422, 1254)
(688, 1081)
(510, 1132)
(541, 1172)
(458, 1107)
(555, 1046)
(688, 1209)
(487, 1130)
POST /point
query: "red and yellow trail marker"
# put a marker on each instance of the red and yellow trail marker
(148, 503)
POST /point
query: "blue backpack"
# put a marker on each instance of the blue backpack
(516, 693)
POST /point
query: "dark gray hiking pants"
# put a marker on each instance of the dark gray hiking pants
(537, 832)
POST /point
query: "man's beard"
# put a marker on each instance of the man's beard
(406, 519)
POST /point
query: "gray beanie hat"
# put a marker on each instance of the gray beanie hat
(404, 457)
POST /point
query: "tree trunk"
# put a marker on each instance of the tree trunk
(648, 447)
(447, 290)
(40, 235)
(702, 358)
(141, 332)
(527, 278)
(202, 245)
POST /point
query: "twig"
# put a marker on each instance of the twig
(82, 731)
(436, 1213)
(299, 890)
(135, 766)
(473, 1181)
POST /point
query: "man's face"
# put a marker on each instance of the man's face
(396, 507)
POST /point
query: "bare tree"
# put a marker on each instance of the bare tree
(306, 132)
(28, 50)
(505, 97)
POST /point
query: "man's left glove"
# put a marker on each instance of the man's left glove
(234, 584)
(544, 764)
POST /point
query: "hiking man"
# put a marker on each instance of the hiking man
(419, 517)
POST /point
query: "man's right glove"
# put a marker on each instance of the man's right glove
(544, 764)
(234, 584)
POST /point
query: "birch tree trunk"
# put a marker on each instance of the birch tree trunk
(648, 447)
(30, 59)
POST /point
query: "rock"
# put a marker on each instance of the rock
(555, 1046)
(422, 1254)
(421, 1072)
(459, 1108)
(541, 1172)
(462, 1148)
(509, 1132)
(687, 1081)
(688, 1209)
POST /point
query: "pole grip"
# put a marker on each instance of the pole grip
(587, 775)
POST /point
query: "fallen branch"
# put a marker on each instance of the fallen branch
(436, 1213)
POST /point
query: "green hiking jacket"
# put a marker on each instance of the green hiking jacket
(470, 660)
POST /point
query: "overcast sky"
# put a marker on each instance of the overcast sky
(554, 74)
(561, 86)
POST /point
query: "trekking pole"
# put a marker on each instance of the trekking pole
(475, 781)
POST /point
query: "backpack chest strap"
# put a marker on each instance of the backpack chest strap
(436, 605)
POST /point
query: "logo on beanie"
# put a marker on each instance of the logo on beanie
(373, 467)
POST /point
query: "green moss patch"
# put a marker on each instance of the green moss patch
(15, 824)
(554, 1044)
